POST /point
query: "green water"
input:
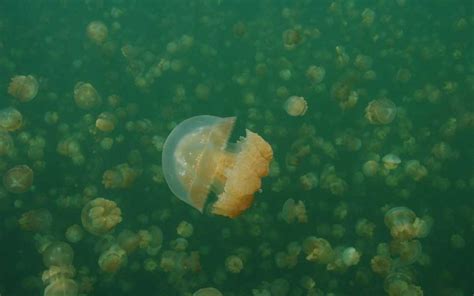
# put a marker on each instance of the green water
(161, 62)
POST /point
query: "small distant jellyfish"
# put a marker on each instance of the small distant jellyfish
(370, 168)
(24, 88)
(309, 181)
(18, 179)
(195, 155)
(295, 106)
(6, 143)
(294, 211)
(74, 233)
(315, 74)
(415, 170)
(291, 38)
(234, 264)
(99, 216)
(185, 229)
(403, 223)
(62, 287)
(10, 119)
(318, 250)
(121, 176)
(97, 32)
(58, 254)
(39, 220)
(381, 111)
(112, 259)
(207, 292)
(106, 122)
(86, 96)
(391, 161)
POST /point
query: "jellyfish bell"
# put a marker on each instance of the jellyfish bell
(196, 159)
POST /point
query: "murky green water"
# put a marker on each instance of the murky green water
(371, 184)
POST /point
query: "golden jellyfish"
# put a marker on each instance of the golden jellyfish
(391, 161)
(10, 119)
(294, 211)
(185, 229)
(415, 170)
(58, 254)
(234, 264)
(210, 291)
(86, 96)
(291, 38)
(400, 221)
(18, 179)
(6, 143)
(74, 233)
(99, 216)
(315, 74)
(381, 111)
(39, 220)
(318, 250)
(24, 88)
(370, 168)
(97, 32)
(197, 158)
(106, 122)
(121, 176)
(62, 287)
(295, 106)
(112, 259)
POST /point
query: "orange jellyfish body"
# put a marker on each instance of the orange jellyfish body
(195, 161)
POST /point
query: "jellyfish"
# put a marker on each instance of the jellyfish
(18, 179)
(58, 254)
(97, 32)
(86, 96)
(62, 287)
(210, 291)
(100, 216)
(10, 119)
(24, 88)
(197, 159)
(381, 111)
(295, 106)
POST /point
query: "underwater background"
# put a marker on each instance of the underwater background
(368, 107)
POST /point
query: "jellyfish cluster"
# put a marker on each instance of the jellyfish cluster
(209, 148)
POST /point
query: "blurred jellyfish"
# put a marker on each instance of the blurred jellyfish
(195, 156)
(6, 143)
(381, 111)
(121, 176)
(112, 259)
(415, 170)
(86, 96)
(100, 216)
(207, 292)
(391, 161)
(97, 32)
(58, 254)
(74, 233)
(10, 119)
(318, 250)
(62, 287)
(294, 211)
(36, 220)
(106, 122)
(24, 88)
(185, 229)
(295, 106)
(18, 179)
(315, 74)
(234, 264)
